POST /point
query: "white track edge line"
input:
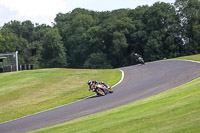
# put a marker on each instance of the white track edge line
(192, 61)
(62, 105)
(122, 78)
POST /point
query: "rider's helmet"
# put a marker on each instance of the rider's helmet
(89, 82)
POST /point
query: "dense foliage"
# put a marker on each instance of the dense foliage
(90, 39)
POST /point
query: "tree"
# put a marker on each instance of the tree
(153, 48)
(27, 30)
(11, 42)
(119, 49)
(73, 27)
(138, 38)
(189, 12)
(2, 41)
(97, 61)
(163, 31)
(53, 50)
(35, 47)
(115, 33)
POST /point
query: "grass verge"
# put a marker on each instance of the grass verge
(173, 111)
(192, 57)
(27, 92)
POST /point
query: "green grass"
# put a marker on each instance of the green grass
(27, 92)
(192, 57)
(174, 111)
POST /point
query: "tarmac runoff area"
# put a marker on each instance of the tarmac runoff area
(138, 82)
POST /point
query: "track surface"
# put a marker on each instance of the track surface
(140, 81)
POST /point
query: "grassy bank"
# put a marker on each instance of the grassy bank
(27, 92)
(174, 111)
(192, 57)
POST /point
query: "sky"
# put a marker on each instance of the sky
(44, 11)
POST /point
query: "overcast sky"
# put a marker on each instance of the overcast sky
(44, 11)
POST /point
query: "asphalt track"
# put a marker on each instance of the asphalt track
(140, 81)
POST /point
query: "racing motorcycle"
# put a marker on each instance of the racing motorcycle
(101, 90)
(140, 60)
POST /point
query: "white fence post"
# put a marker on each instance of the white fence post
(16, 55)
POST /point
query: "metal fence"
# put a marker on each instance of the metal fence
(10, 63)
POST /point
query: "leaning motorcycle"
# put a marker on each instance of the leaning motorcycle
(102, 90)
(141, 61)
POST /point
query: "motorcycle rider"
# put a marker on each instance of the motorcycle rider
(93, 84)
(137, 55)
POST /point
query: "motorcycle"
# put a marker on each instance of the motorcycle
(101, 90)
(140, 60)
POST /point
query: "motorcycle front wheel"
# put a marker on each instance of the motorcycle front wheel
(100, 92)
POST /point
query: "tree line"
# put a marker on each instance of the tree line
(89, 39)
